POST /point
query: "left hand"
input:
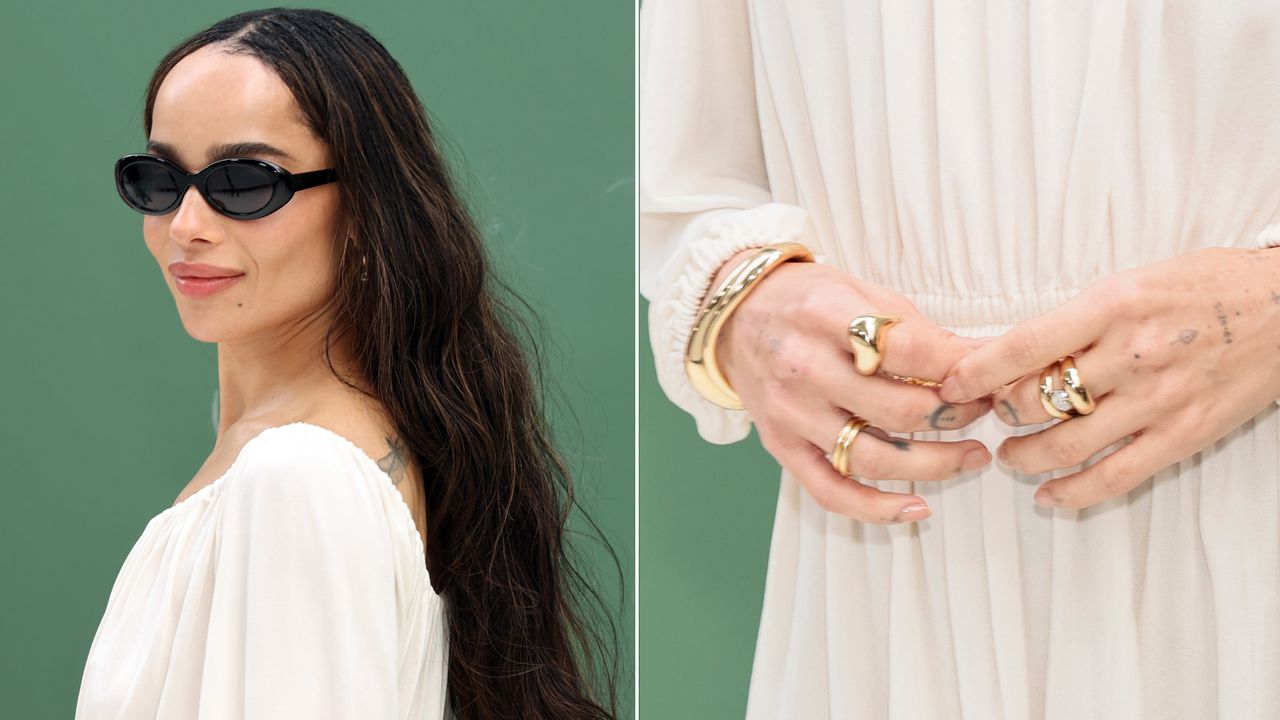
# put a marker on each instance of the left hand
(1177, 353)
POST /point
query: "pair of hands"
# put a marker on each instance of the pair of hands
(1175, 354)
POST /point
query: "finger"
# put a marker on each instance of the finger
(1072, 442)
(1117, 473)
(846, 496)
(890, 404)
(1026, 348)
(913, 347)
(1019, 404)
(876, 455)
(917, 348)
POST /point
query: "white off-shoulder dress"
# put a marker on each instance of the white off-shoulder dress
(988, 160)
(293, 586)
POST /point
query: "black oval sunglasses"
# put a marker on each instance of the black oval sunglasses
(240, 188)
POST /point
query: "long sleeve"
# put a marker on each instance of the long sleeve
(1269, 237)
(704, 190)
(303, 614)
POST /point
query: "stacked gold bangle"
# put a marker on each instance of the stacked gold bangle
(700, 353)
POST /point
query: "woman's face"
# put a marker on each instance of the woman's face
(210, 99)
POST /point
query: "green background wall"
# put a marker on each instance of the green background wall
(107, 401)
(706, 515)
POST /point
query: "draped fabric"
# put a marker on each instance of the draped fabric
(293, 586)
(988, 160)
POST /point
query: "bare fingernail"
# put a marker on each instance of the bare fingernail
(915, 511)
(975, 458)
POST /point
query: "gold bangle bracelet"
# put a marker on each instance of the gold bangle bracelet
(700, 354)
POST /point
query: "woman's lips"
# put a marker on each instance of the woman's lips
(201, 287)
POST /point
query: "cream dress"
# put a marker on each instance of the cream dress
(294, 586)
(988, 160)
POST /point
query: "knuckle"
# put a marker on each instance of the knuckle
(904, 417)
(823, 497)
(965, 376)
(872, 463)
(886, 416)
(1124, 294)
(812, 302)
(823, 492)
(1025, 346)
(1168, 395)
(904, 348)
(1066, 450)
(1118, 479)
(1196, 422)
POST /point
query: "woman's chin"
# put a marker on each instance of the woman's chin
(203, 325)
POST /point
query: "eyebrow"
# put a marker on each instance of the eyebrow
(226, 150)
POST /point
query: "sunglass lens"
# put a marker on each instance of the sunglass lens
(242, 189)
(148, 186)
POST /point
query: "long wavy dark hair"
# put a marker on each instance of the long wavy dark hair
(457, 369)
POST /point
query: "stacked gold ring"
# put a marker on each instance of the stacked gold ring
(1069, 401)
(840, 453)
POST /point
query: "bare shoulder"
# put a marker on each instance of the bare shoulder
(374, 435)
(377, 439)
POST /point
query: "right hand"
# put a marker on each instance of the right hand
(785, 351)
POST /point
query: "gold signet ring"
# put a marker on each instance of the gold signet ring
(866, 337)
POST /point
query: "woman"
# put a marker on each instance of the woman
(325, 252)
(1092, 181)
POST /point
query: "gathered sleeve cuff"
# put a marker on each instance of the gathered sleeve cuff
(678, 288)
(704, 183)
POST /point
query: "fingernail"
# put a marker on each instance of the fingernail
(1002, 452)
(950, 391)
(975, 458)
(915, 511)
(1043, 497)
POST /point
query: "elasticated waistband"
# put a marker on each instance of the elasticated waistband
(994, 312)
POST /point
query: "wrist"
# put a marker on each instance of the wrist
(741, 277)
(723, 272)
